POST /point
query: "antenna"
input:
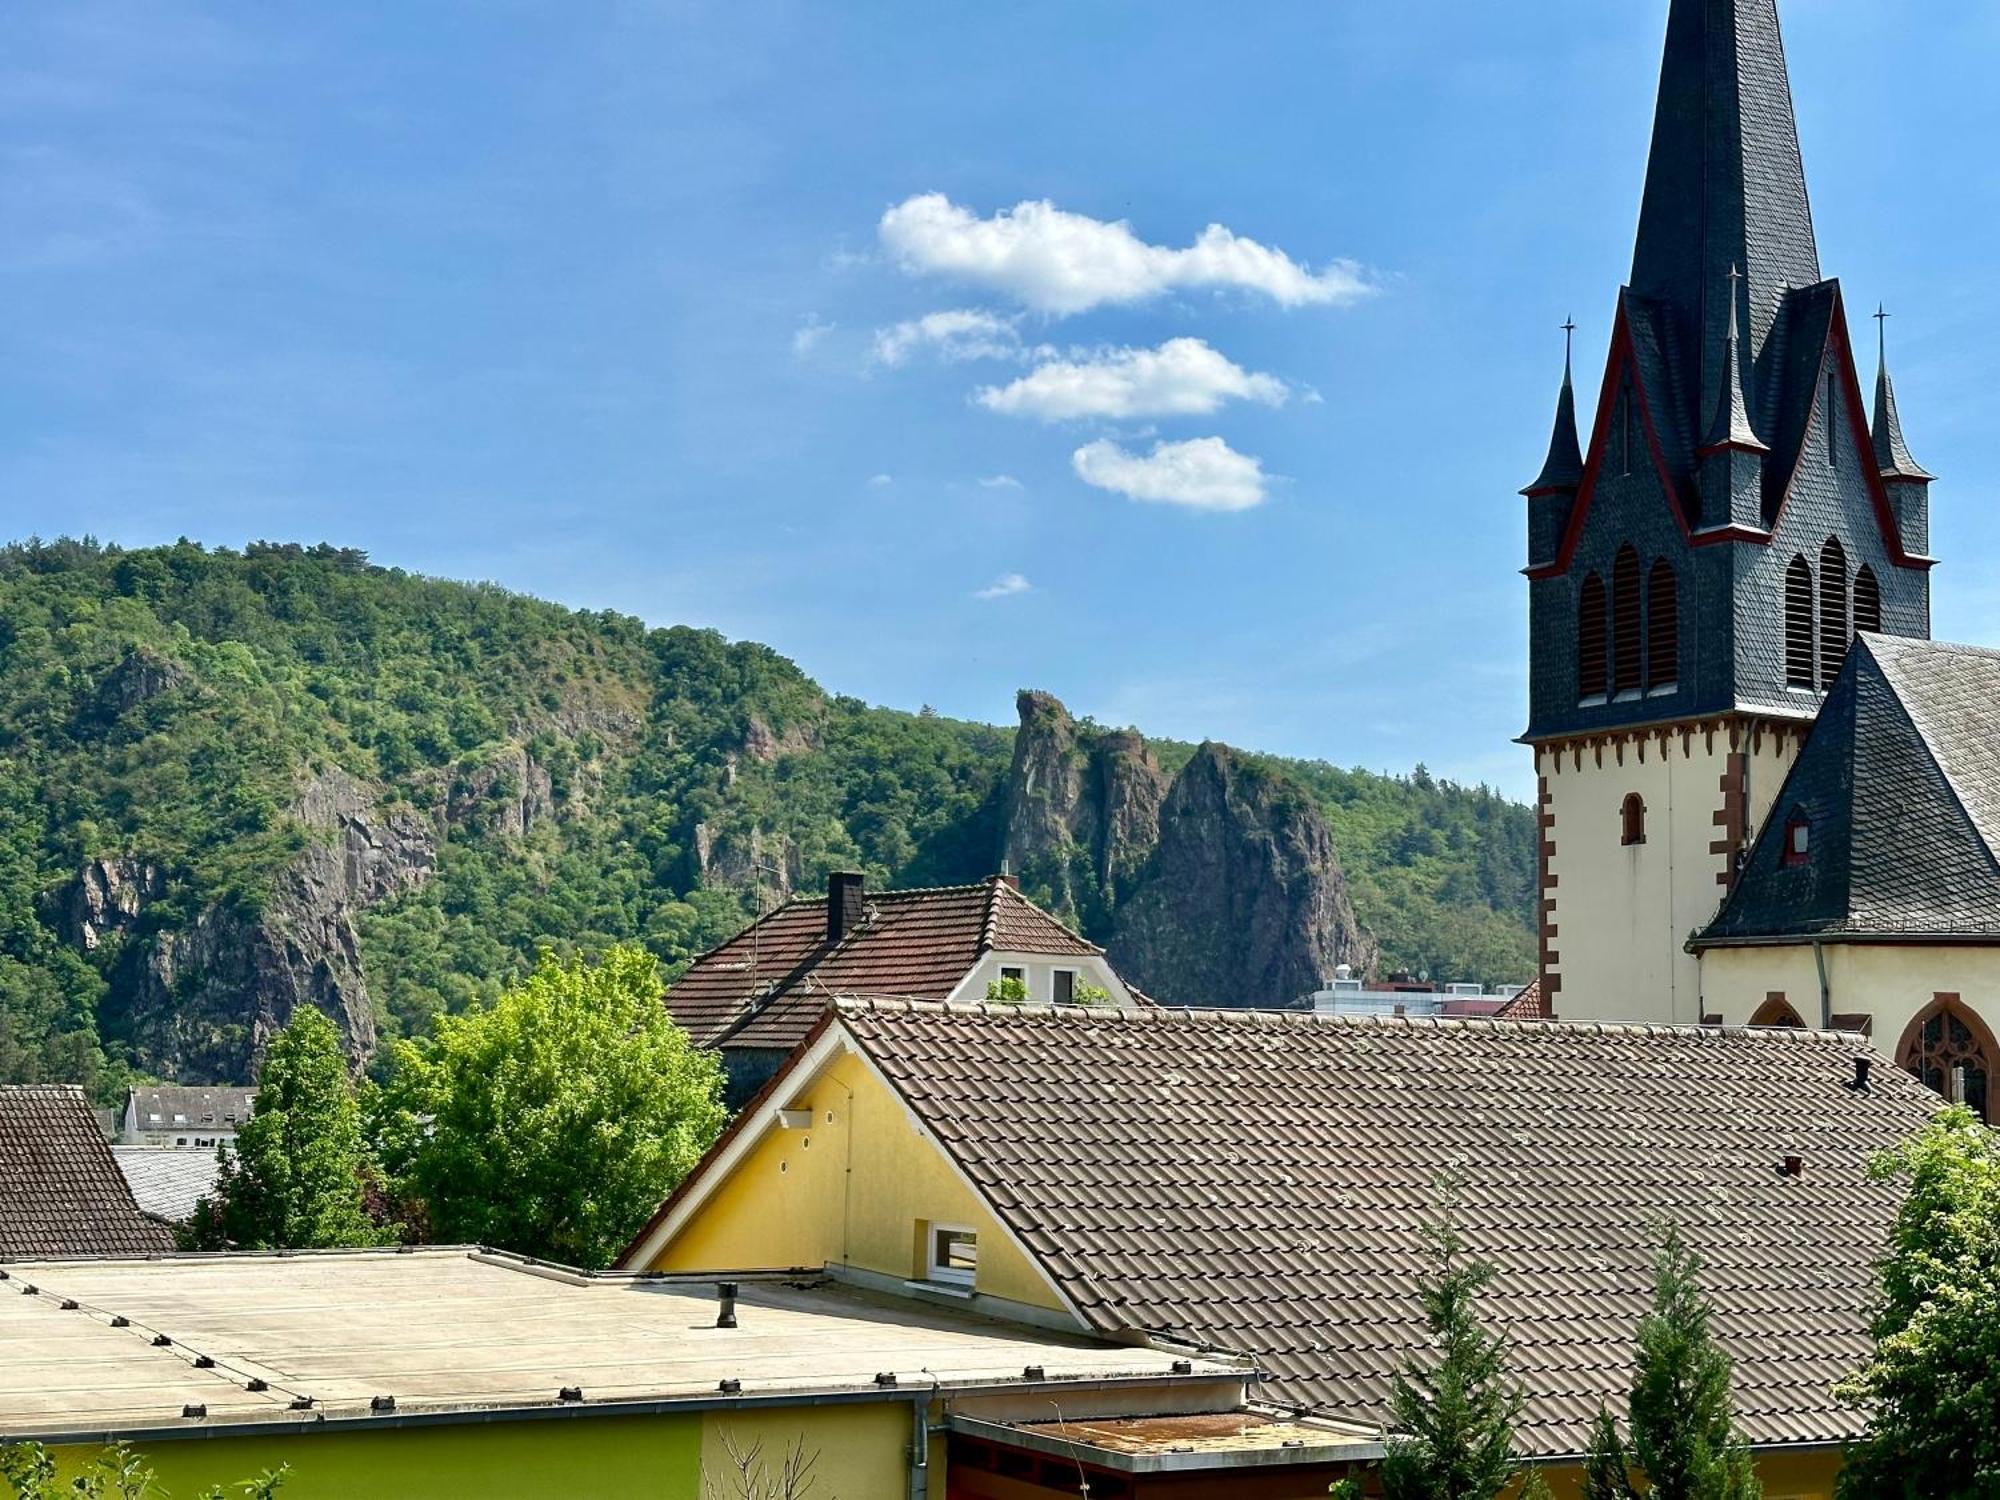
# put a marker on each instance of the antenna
(759, 867)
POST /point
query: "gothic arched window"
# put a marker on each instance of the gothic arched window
(1663, 627)
(1951, 1052)
(1590, 639)
(1798, 624)
(1626, 610)
(1833, 633)
(1867, 601)
(1632, 820)
(1777, 1011)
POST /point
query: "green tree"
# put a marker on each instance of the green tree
(557, 1119)
(1007, 990)
(295, 1177)
(1933, 1386)
(1455, 1409)
(1684, 1443)
(117, 1473)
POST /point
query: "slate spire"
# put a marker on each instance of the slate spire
(1732, 427)
(1725, 186)
(1563, 469)
(1892, 454)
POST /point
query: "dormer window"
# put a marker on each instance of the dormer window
(1798, 839)
(1632, 821)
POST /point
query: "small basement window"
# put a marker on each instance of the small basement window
(952, 1255)
(1798, 839)
(1065, 986)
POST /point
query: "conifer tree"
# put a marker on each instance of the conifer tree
(1455, 1410)
(293, 1179)
(1683, 1442)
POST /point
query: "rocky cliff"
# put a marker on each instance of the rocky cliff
(1220, 886)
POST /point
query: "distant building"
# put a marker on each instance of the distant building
(187, 1117)
(60, 1191)
(1348, 996)
(755, 997)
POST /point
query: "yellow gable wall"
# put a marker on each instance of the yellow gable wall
(791, 1200)
(1785, 1476)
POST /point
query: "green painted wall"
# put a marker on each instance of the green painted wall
(657, 1457)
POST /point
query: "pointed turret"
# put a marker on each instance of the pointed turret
(1908, 482)
(1731, 477)
(1732, 427)
(1725, 186)
(1553, 492)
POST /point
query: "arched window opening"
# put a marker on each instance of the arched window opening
(1590, 639)
(1798, 624)
(1777, 1011)
(1663, 627)
(1626, 609)
(1950, 1051)
(1833, 633)
(1867, 602)
(1632, 820)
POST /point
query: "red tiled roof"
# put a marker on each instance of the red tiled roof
(1255, 1182)
(766, 986)
(61, 1193)
(1531, 1004)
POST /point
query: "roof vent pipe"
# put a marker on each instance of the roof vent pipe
(725, 1316)
(1861, 1067)
(844, 891)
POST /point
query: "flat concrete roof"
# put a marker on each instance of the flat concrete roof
(458, 1334)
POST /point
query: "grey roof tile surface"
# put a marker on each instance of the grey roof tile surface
(1256, 1183)
(167, 1183)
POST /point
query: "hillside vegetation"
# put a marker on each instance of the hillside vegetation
(551, 778)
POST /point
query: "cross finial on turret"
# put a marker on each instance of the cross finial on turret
(1882, 317)
(1569, 340)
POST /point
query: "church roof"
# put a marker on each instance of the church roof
(1899, 791)
(1892, 454)
(1563, 468)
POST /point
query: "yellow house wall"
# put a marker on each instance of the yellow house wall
(793, 1201)
(1623, 913)
(1894, 983)
(1785, 1476)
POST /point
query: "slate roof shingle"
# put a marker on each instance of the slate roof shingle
(60, 1191)
(1255, 1183)
(167, 1106)
(167, 1182)
(769, 985)
(1899, 785)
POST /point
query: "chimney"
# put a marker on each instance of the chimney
(1861, 1065)
(725, 1296)
(843, 904)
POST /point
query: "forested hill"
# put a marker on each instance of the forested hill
(231, 783)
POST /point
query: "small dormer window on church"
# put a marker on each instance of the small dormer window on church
(1798, 839)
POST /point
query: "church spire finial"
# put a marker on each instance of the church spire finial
(1563, 468)
(1892, 454)
(1732, 427)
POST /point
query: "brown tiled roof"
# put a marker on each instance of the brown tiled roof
(1255, 1182)
(1530, 1004)
(60, 1191)
(766, 986)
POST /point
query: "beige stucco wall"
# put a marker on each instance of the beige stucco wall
(1622, 914)
(1040, 971)
(1894, 983)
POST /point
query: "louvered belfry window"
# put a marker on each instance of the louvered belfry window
(1663, 627)
(1867, 601)
(1625, 612)
(1590, 639)
(1833, 632)
(1798, 624)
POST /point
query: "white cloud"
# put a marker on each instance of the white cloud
(1000, 482)
(1183, 377)
(806, 337)
(959, 334)
(1202, 473)
(880, 481)
(1006, 586)
(1061, 262)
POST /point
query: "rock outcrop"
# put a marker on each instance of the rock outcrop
(1221, 887)
(1083, 810)
(206, 997)
(508, 794)
(1243, 902)
(107, 897)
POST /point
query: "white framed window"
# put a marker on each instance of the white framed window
(951, 1254)
(1014, 972)
(1063, 982)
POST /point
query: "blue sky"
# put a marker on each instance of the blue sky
(624, 305)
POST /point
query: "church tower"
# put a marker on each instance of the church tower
(1698, 568)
